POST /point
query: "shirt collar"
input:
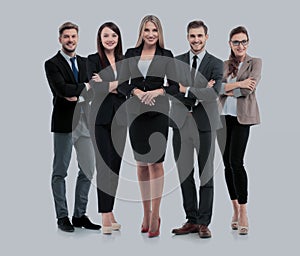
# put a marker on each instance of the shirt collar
(67, 57)
(199, 55)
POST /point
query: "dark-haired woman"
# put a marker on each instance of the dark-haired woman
(239, 110)
(103, 69)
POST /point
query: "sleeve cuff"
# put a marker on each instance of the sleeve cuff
(237, 92)
(81, 99)
(187, 92)
(222, 90)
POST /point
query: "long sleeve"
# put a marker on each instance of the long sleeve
(255, 73)
(98, 87)
(58, 84)
(209, 94)
(124, 87)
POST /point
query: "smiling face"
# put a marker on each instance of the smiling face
(197, 39)
(68, 40)
(109, 39)
(150, 34)
(239, 45)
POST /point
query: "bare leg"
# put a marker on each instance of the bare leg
(144, 182)
(156, 185)
(235, 217)
(106, 221)
(243, 219)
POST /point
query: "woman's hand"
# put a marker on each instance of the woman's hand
(113, 87)
(96, 78)
(248, 83)
(182, 88)
(149, 97)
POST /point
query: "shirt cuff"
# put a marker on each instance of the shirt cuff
(187, 92)
(81, 99)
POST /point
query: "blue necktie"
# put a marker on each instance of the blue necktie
(75, 72)
(74, 69)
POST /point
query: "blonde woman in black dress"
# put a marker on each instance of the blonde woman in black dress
(146, 66)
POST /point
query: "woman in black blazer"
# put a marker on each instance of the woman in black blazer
(146, 66)
(103, 69)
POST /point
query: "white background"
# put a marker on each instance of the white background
(29, 36)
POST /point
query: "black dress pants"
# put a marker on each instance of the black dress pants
(186, 140)
(235, 136)
(108, 162)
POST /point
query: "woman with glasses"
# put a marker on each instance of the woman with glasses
(239, 111)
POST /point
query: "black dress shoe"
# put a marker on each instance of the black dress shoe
(84, 222)
(64, 224)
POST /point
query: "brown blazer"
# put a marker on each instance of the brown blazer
(247, 107)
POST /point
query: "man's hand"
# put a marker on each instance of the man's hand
(74, 98)
(211, 83)
(182, 88)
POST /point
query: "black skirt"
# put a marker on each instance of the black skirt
(148, 136)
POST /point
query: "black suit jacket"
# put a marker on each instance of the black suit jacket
(104, 104)
(65, 114)
(206, 113)
(162, 65)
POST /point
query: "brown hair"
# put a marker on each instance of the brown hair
(118, 52)
(197, 24)
(233, 61)
(67, 25)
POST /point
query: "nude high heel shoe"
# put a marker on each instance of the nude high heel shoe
(115, 226)
(107, 230)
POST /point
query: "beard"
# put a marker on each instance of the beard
(68, 50)
(197, 49)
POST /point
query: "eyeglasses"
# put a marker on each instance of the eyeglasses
(237, 43)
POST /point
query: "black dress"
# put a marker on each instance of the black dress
(148, 125)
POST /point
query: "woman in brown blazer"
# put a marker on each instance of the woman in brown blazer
(239, 111)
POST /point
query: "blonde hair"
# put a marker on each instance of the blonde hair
(157, 23)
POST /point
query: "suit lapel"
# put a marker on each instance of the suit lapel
(244, 67)
(204, 63)
(138, 53)
(66, 66)
(81, 68)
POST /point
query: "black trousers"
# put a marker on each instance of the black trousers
(108, 162)
(233, 139)
(185, 141)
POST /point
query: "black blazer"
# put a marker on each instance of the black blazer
(206, 113)
(104, 104)
(162, 65)
(62, 84)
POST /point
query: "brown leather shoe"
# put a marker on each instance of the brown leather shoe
(204, 232)
(186, 229)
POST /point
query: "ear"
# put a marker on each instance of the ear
(59, 39)
(206, 36)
